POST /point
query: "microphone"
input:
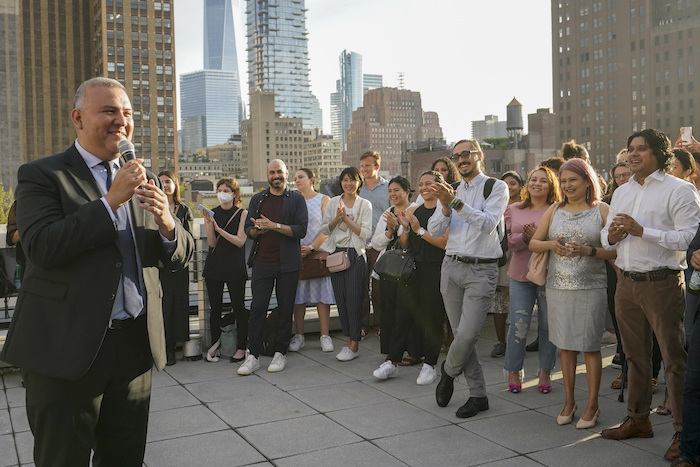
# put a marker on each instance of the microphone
(126, 149)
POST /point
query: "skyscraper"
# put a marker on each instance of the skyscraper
(350, 89)
(212, 107)
(620, 67)
(278, 56)
(51, 47)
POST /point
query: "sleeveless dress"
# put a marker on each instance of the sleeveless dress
(576, 285)
(319, 290)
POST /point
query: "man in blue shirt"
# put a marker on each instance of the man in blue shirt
(470, 268)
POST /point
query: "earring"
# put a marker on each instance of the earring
(588, 194)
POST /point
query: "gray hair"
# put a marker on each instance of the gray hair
(102, 81)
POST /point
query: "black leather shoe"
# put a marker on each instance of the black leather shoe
(445, 388)
(533, 346)
(170, 356)
(473, 406)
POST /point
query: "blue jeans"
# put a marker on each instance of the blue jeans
(522, 301)
(690, 437)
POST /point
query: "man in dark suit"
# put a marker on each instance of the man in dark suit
(88, 325)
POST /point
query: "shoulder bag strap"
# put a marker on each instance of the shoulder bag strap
(227, 223)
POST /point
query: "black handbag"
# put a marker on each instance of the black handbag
(396, 264)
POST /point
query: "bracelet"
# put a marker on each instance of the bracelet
(593, 251)
(458, 205)
(452, 203)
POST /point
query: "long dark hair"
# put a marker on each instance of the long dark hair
(554, 194)
(403, 183)
(452, 172)
(176, 193)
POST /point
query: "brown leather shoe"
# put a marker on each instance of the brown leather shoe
(674, 451)
(681, 463)
(631, 427)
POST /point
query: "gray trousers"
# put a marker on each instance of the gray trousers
(468, 292)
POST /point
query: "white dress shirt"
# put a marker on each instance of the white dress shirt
(669, 211)
(474, 229)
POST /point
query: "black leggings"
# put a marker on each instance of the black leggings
(236, 290)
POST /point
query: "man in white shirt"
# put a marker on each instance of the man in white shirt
(470, 269)
(652, 220)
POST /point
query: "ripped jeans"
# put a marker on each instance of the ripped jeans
(522, 302)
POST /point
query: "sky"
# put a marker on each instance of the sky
(467, 58)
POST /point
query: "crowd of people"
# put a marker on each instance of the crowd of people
(615, 255)
(101, 243)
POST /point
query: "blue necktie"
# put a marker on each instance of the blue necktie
(133, 297)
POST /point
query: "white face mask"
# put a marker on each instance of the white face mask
(224, 197)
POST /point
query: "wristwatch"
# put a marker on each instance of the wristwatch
(593, 251)
(278, 226)
(421, 232)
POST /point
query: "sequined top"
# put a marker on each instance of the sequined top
(576, 272)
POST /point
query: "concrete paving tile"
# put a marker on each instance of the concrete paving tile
(538, 431)
(7, 447)
(162, 378)
(340, 396)
(176, 423)
(18, 415)
(215, 449)
(245, 411)
(301, 435)
(5, 423)
(307, 377)
(3, 400)
(296, 360)
(16, 397)
(170, 397)
(388, 419)
(402, 387)
(371, 343)
(362, 454)
(530, 397)
(497, 406)
(25, 447)
(12, 379)
(361, 368)
(518, 461)
(596, 451)
(437, 447)
(200, 370)
(231, 388)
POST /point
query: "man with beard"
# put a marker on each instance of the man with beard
(277, 222)
(469, 273)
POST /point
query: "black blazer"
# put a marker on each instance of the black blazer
(74, 268)
(294, 214)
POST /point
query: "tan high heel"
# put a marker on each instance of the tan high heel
(566, 419)
(582, 424)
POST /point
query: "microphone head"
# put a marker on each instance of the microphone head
(126, 149)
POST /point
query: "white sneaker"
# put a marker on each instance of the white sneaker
(278, 363)
(427, 375)
(296, 343)
(249, 365)
(345, 354)
(326, 343)
(386, 370)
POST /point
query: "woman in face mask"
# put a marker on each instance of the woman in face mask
(226, 264)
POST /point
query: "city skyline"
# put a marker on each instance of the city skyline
(510, 55)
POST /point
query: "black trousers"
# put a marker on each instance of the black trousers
(348, 287)
(105, 410)
(264, 279)
(420, 316)
(239, 314)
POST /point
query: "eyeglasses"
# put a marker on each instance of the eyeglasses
(623, 176)
(464, 154)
